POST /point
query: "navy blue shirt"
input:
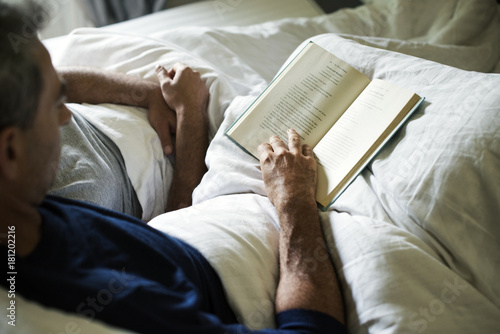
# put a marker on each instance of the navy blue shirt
(112, 267)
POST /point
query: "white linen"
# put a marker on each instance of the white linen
(415, 238)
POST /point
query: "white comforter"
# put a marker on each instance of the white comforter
(415, 238)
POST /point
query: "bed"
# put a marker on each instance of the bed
(415, 238)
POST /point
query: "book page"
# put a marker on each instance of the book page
(309, 95)
(358, 134)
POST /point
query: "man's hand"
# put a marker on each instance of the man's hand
(185, 92)
(183, 89)
(289, 174)
(307, 277)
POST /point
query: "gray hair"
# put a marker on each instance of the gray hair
(20, 74)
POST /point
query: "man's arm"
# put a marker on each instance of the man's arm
(307, 277)
(186, 93)
(87, 85)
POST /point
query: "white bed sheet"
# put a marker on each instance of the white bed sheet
(212, 13)
(415, 238)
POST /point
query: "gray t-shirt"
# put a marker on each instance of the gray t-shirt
(92, 169)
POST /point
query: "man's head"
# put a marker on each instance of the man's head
(31, 109)
(20, 75)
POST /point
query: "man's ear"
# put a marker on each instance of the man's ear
(10, 152)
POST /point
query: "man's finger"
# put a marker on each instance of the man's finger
(264, 150)
(165, 138)
(161, 72)
(163, 131)
(294, 141)
(177, 68)
(163, 76)
(307, 150)
(277, 144)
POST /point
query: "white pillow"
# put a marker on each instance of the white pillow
(238, 235)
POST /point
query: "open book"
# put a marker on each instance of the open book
(336, 109)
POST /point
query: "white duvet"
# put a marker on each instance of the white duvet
(416, 237)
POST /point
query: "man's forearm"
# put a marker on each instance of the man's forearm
(191, 146)
(86, 85)
(307, 276)
(186, 93)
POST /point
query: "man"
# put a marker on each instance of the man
(69, 252)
